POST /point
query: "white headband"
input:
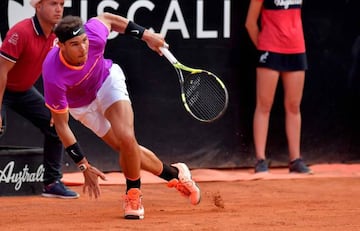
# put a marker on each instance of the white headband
(34, 2)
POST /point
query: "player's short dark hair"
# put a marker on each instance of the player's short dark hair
(69, 24)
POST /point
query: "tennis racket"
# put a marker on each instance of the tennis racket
(203, 94)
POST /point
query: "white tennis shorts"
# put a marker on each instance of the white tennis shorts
(112, 90)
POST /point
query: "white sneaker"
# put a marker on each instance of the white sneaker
(133, 208)
(185, 185)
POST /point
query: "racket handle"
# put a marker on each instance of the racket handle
(168, 55)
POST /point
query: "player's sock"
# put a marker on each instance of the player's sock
(169, 172)
(132, 184)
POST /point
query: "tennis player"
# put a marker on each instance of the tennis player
(78, 80)
(21, 55)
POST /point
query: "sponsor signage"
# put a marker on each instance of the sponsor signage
(196, 19)
(21, 171)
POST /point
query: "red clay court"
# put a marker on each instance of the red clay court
(231, 200)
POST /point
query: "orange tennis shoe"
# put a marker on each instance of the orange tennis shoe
(185, 184)
(133, 208)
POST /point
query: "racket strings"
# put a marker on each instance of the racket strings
(205, 96)
(210, 101)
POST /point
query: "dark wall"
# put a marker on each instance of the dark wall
(330, 119)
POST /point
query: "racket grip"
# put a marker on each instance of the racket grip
(168, 55)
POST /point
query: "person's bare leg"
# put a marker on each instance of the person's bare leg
(266, 82)
(149, 161)
(293, 83)
(121, 117)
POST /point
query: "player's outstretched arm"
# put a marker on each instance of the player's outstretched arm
(67, 137)
(124, 26)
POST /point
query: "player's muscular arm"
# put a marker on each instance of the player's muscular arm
(114, 22)
(121, 24)
(61, 122)
(91, 174)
